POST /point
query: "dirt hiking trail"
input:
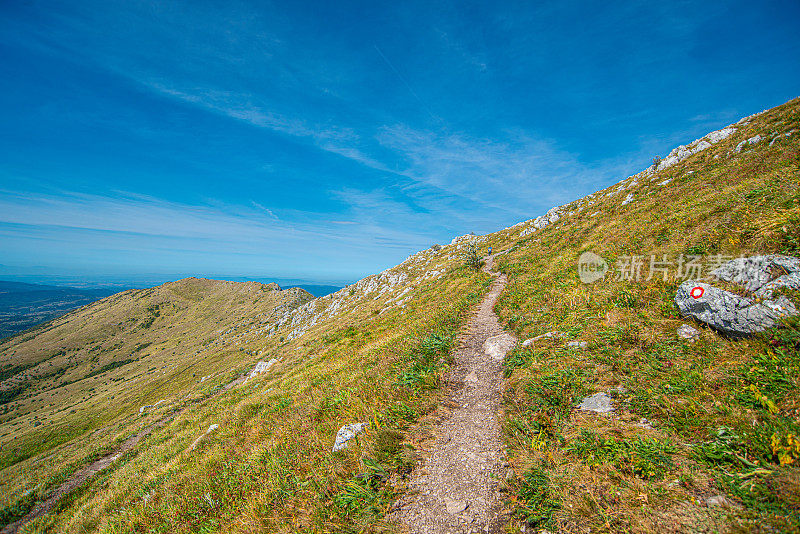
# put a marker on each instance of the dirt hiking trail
(456, 488)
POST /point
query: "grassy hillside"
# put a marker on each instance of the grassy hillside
(93, 369)
(693, 420)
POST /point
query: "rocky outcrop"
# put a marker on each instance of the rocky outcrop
(261, 367)
(762, 275)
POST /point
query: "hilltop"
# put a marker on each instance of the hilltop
(700, 436)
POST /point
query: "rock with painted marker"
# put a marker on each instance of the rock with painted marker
(729, 313)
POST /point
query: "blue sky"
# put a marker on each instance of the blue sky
(326, 141)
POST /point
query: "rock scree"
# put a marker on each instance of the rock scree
(456, 488)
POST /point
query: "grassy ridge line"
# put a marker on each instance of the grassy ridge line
(693, 420)
(293, 355)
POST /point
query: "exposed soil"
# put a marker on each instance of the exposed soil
(456, 489)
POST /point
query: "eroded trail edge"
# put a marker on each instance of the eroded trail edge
(456, 489)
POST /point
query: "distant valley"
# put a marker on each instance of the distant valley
(23, 306)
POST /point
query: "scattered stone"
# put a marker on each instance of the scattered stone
(729, 313)
(211, 429)
(498, 346)
(598, 403)
(644, 423)
(471, 378)
(454, 507)
(261, 367)
(628, 199)
(687, 332)
(346, 433)
(143, 408)
(751, 141)
(577, 344)
(551, 334)
(717, 500)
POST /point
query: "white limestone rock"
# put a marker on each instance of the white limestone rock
(546, 335)
(346, 433)
(497, 347)
(685, 331)
(598, 403)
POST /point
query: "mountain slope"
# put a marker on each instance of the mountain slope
(94, 367)
(701, 435)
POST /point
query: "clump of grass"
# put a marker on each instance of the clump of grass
(539, 503)
(426, 361)
(644, 457)
(555, 393)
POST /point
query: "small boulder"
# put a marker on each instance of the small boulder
(685, 331)
(498, 346)
(598, 403)
(546, 335)
(717, 500)
(346, 433)
(577, 344)
(453, 506)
